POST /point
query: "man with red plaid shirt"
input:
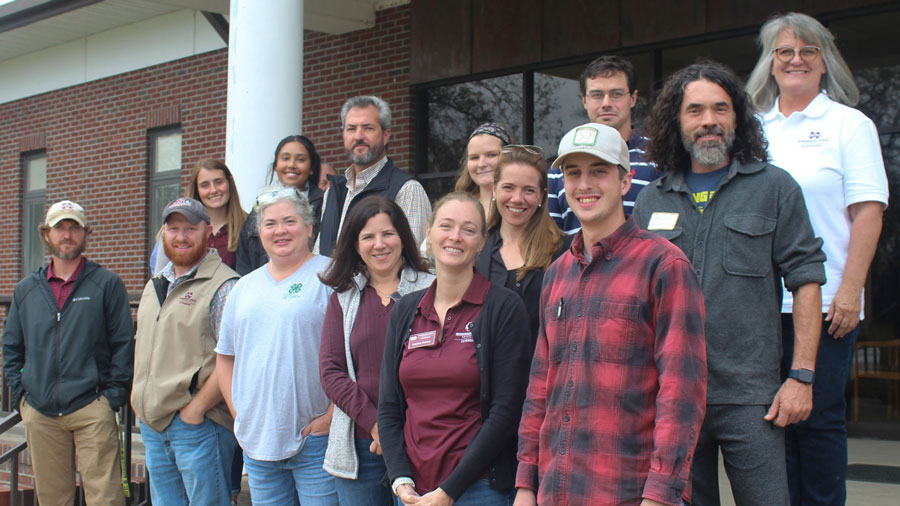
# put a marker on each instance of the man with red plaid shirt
(617, 391)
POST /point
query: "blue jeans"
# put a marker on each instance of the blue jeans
(481, 493)
(302, 476)
(189, 464)
(369, 488)
(816, 448)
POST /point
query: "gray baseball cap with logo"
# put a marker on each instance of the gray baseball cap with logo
(191, 209)
(595, 139)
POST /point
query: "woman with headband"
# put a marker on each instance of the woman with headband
(476, 172)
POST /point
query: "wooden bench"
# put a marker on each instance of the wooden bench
(878, 360)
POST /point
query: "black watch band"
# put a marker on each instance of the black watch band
(803, 375)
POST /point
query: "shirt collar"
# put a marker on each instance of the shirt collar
(75, 273)
(168, 271)
(814, 109)
(365, 176)
(607, 247)
(475, 294)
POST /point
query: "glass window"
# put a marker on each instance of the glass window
(165, 175)
(34, 200)
(454, 111)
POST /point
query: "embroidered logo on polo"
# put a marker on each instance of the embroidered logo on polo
(293, 291)
(814, 139)
(187, 299)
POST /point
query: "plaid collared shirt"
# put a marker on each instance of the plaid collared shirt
(411, 198)
(617, 391)
(216, 305)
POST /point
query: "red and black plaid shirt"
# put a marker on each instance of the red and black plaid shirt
(617, 391)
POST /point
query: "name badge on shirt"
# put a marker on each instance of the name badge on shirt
(422, 340)
(662, 221)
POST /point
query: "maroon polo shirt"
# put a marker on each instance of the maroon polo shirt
(219, 240)
(60, 287)
(442, 386)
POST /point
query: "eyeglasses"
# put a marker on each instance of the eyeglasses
(807, 53)
(614, 95)
(269, 197)
(528, 148)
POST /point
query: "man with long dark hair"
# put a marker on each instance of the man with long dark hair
(743, 224)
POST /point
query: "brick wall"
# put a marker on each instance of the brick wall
(95, 134)
(369, 62)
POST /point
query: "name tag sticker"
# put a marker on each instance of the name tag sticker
(422, 340)
(662, 221)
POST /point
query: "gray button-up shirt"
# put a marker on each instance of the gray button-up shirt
(754, 232)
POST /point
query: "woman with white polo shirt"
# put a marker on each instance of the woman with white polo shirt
(803, 91)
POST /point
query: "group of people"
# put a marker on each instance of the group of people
(595, 333)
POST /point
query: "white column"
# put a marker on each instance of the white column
(265, 87)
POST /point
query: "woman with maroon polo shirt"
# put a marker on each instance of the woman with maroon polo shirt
(375, 262)
(212, 184)
(454, 374)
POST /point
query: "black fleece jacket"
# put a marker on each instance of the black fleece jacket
(501, 337)
(63, 359)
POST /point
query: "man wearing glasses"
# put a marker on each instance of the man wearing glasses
(608, 93)
(616, 393)
(185, 424)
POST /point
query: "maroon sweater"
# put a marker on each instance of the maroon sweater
(359, 399)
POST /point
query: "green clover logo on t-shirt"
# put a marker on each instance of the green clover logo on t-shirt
(293, 291)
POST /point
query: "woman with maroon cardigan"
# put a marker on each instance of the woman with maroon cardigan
(454, 374)
(375, 263)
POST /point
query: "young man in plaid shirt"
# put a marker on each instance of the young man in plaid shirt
(618, 384)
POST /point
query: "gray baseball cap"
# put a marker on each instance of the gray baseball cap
(602, 141)
(191, 209)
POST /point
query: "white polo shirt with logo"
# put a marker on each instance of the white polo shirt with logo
(834, 153)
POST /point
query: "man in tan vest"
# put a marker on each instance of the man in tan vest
(185, 424)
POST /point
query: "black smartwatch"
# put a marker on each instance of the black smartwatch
(802, 375)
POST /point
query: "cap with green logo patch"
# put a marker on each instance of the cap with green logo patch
(594, 139)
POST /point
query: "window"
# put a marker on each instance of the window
(165, 174)
(454, 111)
(34, 200)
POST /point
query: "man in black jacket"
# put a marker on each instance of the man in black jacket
(67, 359)
(366, 128)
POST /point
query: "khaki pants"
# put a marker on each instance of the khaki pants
(92, 433)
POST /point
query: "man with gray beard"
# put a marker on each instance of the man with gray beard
(743, 224)
(366, 128)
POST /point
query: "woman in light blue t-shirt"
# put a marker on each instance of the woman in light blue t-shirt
(267, 360)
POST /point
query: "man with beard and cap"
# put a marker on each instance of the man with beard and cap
(67, 360)
(366, 127)
(743, 224)
(185, 424)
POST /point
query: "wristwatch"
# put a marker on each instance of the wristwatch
(403, 480)
(802, 375)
